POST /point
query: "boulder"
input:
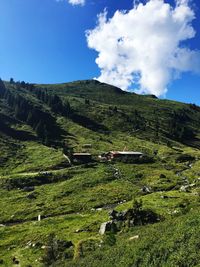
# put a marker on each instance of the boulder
(99, 209)
(184, 188)
(28, 188)
(164, 197)
(128, 214)
(107, 227)
(134, 237)
(121, 215)
(15, 260)
(146, 189)
(113, 214)
(31, 195)
(162, 176)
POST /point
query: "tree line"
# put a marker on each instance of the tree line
(41, 121)
(178, 128)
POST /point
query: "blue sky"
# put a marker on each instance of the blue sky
(44, 42)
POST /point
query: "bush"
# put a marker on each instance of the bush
(184, 158)
(56, 250)
(109, 239)
(142, 216)
(84, 247)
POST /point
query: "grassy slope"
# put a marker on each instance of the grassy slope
(174, 242)
(69, 199)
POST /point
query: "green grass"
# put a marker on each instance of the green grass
(74, 200)
(32, 157)
(171, 243)
(17, 237)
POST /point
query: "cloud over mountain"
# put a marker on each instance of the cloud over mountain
(144, 48)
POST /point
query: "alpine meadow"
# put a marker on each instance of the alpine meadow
(153, 201)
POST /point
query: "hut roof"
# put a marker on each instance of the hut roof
(127, 152)
(81, 154)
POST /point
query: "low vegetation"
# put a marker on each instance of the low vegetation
(52, 210)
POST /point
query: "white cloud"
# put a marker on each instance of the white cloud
(77, 2)
(143, 48)
(74, 2)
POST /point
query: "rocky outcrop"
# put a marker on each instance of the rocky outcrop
(108, 227)
(128, 218)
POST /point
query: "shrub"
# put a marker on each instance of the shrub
(55, 250)
(184, 158)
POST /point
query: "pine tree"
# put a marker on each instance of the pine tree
(2, 88)
(12, 81)
(40, 129)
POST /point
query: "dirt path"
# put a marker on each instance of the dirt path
(35, 219)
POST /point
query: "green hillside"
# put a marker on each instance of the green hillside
(158, 197)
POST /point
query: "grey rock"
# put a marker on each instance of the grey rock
(113, 214)
(134, 237)
(107, 227)
(146, 189)
(32, 195)
(15, 260)
(28, 188)
(164, 197)
(184, 188)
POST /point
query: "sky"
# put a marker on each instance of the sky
(151, 47)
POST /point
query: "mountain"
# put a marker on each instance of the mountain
(155, 199)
